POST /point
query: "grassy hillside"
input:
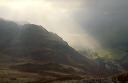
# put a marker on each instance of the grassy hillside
(113, 52)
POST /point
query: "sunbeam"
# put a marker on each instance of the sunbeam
(55, 16)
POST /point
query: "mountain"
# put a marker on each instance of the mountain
(32, 49)
(36, 43)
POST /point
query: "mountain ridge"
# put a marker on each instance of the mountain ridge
(31, 48)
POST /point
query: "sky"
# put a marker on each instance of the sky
(82, 23)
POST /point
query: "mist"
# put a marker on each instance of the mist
(82, 23)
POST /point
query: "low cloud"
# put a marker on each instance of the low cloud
(82, 23)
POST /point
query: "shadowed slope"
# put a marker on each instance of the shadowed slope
(34, 49)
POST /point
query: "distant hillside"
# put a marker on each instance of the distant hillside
(112, 63)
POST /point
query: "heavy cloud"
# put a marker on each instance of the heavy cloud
(82, 23)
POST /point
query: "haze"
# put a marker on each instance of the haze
(82, 23)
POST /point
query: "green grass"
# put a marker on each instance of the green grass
(112, 52)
